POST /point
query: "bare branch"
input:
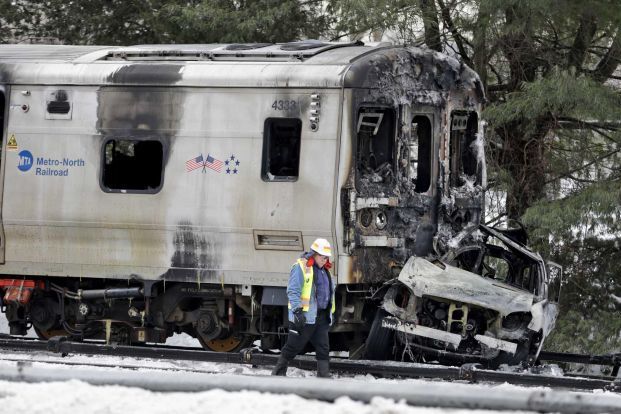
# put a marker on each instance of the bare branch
(448, 20)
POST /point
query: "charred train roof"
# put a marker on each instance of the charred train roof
(297, 64)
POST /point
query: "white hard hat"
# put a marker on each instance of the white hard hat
(322, 246)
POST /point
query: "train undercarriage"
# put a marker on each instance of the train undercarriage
(222, 318)
(479, 303)
(131, 312)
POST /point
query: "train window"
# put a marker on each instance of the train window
(376, 130)
(420, 153)
(463, 150)
(282, 138)
(132, 165)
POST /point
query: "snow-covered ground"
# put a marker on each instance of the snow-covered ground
(77, 396)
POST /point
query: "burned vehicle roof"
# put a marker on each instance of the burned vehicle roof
(449, 282)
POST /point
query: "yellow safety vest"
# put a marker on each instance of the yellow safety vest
(307, 273)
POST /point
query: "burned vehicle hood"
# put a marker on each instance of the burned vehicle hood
(427, 279)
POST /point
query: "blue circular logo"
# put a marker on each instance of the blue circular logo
(25, 160)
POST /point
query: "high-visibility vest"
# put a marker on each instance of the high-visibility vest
(307, 288)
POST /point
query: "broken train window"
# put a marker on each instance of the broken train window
(132, 165)
(282, 138)
(375, 131)
(463, 151)
(419, 150)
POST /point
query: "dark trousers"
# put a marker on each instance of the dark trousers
(317, 334)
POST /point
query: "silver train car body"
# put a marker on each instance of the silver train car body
(169, 188)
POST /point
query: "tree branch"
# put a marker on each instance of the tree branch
(582, 167)
(596, 126)
(446, 17)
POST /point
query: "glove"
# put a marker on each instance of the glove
(299, 320)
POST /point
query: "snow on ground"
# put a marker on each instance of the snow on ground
(77, 396)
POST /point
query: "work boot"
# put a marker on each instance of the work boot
(323, 369)
(281, 367)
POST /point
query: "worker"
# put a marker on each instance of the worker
(311, 308)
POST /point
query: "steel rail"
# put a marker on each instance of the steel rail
(90, 364)
(613, 360)
(468, 372)
(424, 394)
(610, 359)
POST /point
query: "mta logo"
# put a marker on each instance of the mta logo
(25, 160)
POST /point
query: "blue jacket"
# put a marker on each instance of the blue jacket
(294, 291)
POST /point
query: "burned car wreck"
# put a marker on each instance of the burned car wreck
(493, 301)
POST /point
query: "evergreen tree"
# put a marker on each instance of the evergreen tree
(121, 22)
(105, 22)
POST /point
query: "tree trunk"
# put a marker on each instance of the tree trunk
(431, 24)
(582, 41)
(524, 158)
(479, 56)
(609, 63)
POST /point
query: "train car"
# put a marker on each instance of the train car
(155, 189)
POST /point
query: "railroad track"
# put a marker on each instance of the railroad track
(467, 373)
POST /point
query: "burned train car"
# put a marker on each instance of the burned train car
(156, 189)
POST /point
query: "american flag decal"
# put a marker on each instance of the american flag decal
(214, 164)
(194, 163)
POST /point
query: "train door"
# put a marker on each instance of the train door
(3, 125)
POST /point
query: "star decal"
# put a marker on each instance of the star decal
(232, 164)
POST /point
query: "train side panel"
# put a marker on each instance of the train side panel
(211, 213)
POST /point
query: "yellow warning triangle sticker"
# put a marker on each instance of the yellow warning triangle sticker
(12, 144)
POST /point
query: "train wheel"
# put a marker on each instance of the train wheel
(49, 333)
(232, 343)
